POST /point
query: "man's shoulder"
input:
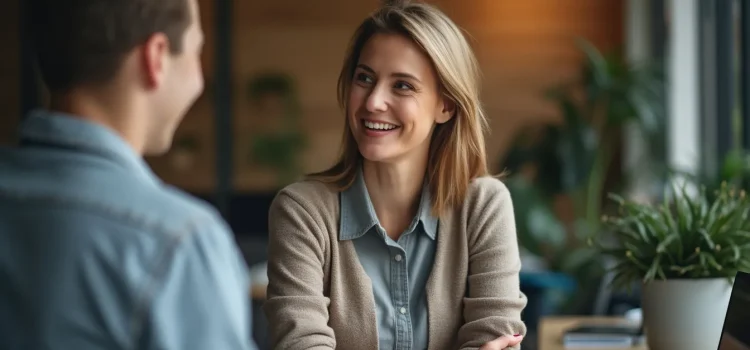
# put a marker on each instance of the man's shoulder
(168, 204)
(103, 191)
(161, 209)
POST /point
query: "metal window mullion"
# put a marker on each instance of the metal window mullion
(724, 77)
(223, 105)
(745, 71)
(28, 81)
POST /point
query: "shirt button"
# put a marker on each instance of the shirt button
(403, 310)
(398, 257)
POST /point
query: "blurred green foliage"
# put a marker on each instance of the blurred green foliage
(573, 158)
(278, 149)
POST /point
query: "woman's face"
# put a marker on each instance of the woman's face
(395, 101)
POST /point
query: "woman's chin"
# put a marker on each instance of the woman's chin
(376, 154)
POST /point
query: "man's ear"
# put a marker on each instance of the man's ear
(154, 57)
(448, 110)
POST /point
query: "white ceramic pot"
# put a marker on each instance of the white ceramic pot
(685, 314)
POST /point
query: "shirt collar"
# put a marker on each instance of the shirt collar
(358, 215)
(60, 130)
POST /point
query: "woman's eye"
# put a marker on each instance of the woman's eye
(403, 86)
(364, 78)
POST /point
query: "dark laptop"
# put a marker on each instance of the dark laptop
(736, 334)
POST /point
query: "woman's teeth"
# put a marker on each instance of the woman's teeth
(379, 126)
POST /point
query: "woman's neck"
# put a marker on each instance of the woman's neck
(395, 190)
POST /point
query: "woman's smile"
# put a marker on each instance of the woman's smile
(377, 128)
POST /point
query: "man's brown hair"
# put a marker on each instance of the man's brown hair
(85, 41)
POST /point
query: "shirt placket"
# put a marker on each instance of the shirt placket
(400, 293)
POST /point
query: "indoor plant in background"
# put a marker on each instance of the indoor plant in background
(571, 163)
(279, 139)
(685, 252)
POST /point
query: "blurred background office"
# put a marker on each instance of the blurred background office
(584, 97)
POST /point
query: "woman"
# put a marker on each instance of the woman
(405, 243)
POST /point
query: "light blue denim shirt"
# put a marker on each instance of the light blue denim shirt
(398, 269)
(97, 253)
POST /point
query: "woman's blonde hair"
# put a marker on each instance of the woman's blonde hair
(457, 149)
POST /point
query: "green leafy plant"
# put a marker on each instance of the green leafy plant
(685, 237)
(734, 169)
(573, 159)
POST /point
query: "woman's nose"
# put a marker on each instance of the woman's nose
(377, 100)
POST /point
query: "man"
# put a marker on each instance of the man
(95, 252)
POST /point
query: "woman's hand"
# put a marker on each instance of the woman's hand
(502, 342)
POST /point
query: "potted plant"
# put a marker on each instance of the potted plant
(685, 252)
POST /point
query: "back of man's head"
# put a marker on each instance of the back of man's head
(133, 65)
(85, 41)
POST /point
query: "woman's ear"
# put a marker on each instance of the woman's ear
(447, 112)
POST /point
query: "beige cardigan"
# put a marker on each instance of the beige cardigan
(319, 296)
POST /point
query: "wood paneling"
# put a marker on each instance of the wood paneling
(523, 46)
(302, 14)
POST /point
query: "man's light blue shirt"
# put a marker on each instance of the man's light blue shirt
(398, 269)
(97, 253)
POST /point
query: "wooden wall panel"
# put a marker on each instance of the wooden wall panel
(523, 46)
(303, 14)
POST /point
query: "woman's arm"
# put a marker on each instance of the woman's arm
(296, 308)
(494, 302)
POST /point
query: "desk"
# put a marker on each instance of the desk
(259, 280)
(551, 330)
(258, 292)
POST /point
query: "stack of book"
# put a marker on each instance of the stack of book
(603, 336)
